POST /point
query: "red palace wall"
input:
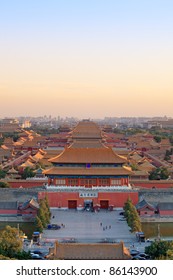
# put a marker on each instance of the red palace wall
(26, 183)
(8, 212)
(117, 199)
(166, 212)
(27, 212)
(146, 212)
(158, 184)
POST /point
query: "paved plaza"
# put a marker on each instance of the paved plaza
(86, 226)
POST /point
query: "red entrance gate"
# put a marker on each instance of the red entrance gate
(104, 204)
(72, 204)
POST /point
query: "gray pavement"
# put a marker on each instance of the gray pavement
(89, 226)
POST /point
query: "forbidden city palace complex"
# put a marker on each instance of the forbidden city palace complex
(88, 172)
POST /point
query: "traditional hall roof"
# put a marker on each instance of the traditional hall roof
(4, 147)
(81, 251)
(87, 144)
(143, 204)
(30, 203)
(61, 170)
(12, 171)
(38, 156)
(27, 163)
(135, 156)
(87, 129)
(88, 155)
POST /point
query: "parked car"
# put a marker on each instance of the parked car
(34, 255)
(134, 252)
(37, 252)
(53, 226)
(121, 219)
(138, 258)
(143, 255)
(37, 257)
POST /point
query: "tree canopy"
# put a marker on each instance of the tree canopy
(4, 185)
(11, 245)
(2, 173)
(27, 173)
(160, 173)
(160, 250)
(132, 216)
(44, 214)
(157, 138)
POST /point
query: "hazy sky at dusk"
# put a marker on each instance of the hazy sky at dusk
(86, 58)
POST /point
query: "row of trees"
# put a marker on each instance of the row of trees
(159, 249)
(132, 217)
(13, 135)
(44, 215)
(26, 173)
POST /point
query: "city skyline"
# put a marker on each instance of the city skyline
(86, 59)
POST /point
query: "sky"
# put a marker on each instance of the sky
(86, 58)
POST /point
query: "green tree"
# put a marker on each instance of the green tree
(45, 211)
(164, 173)
(38, 224)
(42, 216)
(4, 185)
(10, 243)
(2, 173)
(22, 255)
(160, 173)
(170, 254)
(136, 225)
(13, 135)
(128, 205)
(27, 173)
(1, 141)
(2, 257)
(171, 140)
(134, 166)
(167, 155)
(47, 205)
(157, 138)
(132, 217)
(160, 249)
